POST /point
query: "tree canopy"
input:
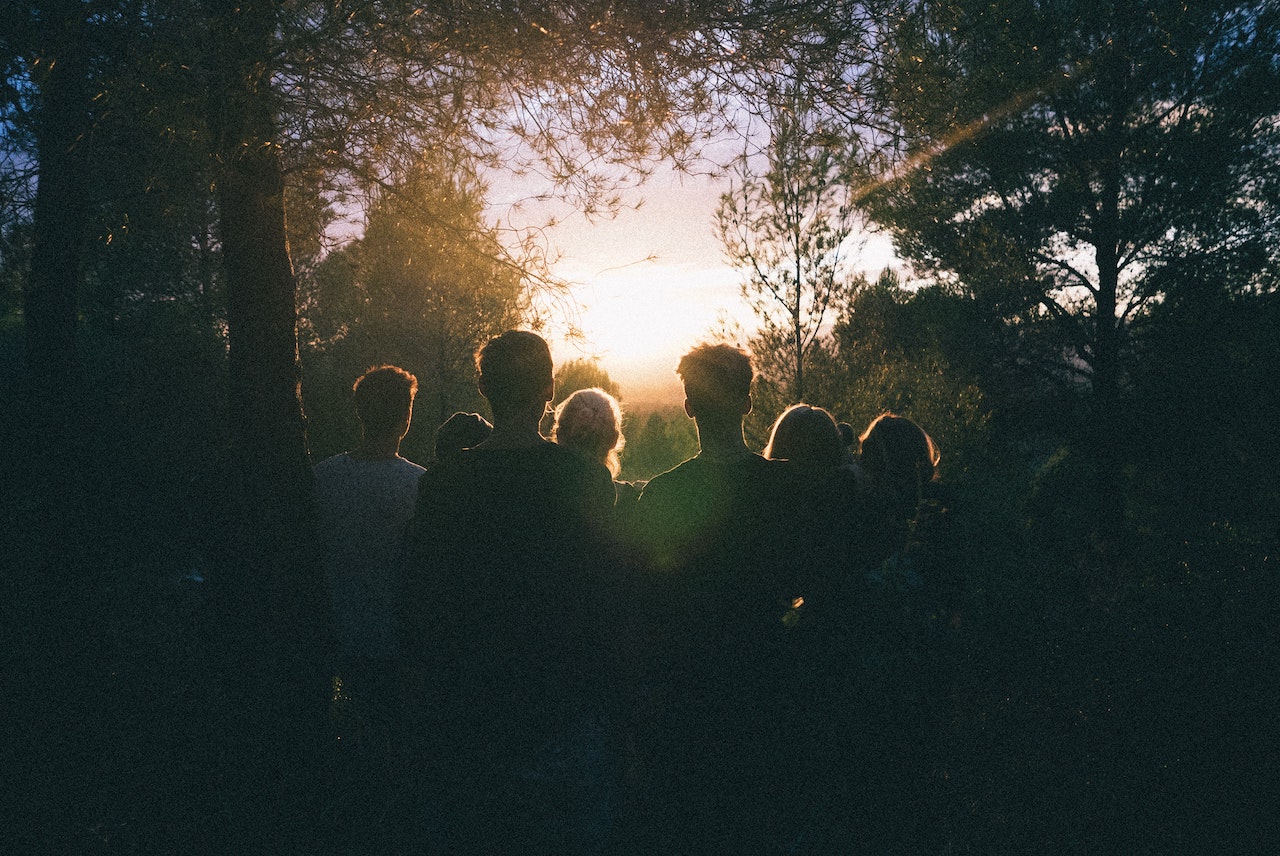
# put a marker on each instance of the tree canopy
(210, 208)
(1068, 165)
(1077, 161)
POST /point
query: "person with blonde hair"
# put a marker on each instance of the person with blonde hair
(590, 420)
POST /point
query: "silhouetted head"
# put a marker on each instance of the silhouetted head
(590, 421)
(898, 455)
(515, 373)
(384, 401)
(847, 434)
(717, 382)
(849, 438)
(806, 435)
(461, 431)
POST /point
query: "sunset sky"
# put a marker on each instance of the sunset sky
(653, 282)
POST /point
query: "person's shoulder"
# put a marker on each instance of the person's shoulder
(457, 467)
(627, 493)
(448, 487)
(581, 475)
(755, 463)
(692, 468)
(333, 462)
(631, 488)
(754, 472)
(334, 473)
(405, 474)
(407, 466)
(559, 457)
(678, 475)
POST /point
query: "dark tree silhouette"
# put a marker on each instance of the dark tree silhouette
(1064, 162)
(577, 374)
(424, 288)
(53, 42)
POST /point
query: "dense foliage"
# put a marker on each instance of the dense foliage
(1085, 193)
(1069, 166)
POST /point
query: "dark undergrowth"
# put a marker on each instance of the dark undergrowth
(1075, 703)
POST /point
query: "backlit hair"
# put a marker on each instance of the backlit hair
(515, 369)
(590, 421)
(461, 431)
(716, 377)
(806, 435)
(384, 397)
(898, 454)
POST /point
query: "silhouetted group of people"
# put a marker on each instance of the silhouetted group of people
(725, 659)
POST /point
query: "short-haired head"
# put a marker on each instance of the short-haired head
(806, 435)
(717, 381)
(590, 421)
(515, 372)
(384, 400)
(461, 431)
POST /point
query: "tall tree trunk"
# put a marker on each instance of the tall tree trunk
(1106, 430)
(268, 424)
(60, 216)
(797, 336)
(272, 614)
(53, 458)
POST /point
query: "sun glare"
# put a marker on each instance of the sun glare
(638, 321)
(653, 282)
